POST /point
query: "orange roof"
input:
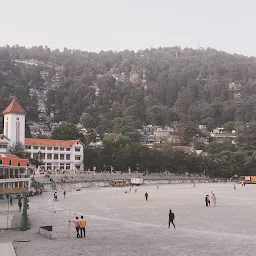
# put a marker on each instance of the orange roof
(14, 160)
(49, 142)
(14, 108)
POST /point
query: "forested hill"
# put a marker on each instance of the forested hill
(120, 91)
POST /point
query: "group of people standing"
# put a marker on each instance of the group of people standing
(208, 200)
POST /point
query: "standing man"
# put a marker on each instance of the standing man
(11, 200)
(64, 194)
(146, 196)
(171, 219)
(19, 204)
(77, 226)
(214, 199)
(82, 225)
(234, 186)
(206, 200)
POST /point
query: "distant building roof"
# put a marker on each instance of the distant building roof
(185, 149)
(14, 108)
(49, 142)
(13, 160)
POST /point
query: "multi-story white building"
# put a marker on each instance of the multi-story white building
(56, 154)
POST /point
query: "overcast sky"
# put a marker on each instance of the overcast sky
(95, 25)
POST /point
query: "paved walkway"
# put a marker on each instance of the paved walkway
(7, 249)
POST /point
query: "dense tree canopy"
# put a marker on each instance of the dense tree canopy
(117, 92)
(106, 91)
(67, 132)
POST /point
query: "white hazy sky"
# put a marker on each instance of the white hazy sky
(95, 25)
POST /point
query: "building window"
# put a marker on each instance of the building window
(35, 147)
(49, 166)
(6, 129)
(77, 158)
(56, 148)
(68, 149)
(68, 157)
(56, 156)
(62, 157)
(77, 149)
(28, 147)
(3, 146)
(61, 149)
(61, 166)
(78, 167)
(42, 156)
(42, 148)
(49, 148)
(49, 156)
(67, 166)
(18, 131)
(35, 156)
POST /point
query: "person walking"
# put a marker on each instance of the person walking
(64, 194)
(82, 225)
(55, 196)
(20, 204)
(206, 200)
(11, 200)
(28, 203)
(77, 226)
(146, 196)
(214, 200)
(209, 200)
(171, 219)
(234, 186)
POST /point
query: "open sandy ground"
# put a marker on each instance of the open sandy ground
(125, 224)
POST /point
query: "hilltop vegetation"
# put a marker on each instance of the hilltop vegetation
(118, 92)
(106, 90)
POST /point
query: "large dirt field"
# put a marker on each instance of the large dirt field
(125, 224)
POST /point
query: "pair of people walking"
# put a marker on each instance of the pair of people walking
(80, 225)
(208, 200)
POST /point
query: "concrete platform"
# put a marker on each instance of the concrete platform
(7, 249)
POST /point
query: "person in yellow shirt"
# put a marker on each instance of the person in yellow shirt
(82, 225)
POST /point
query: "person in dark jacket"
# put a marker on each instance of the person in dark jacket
(171, 219)
(146, 196)
(206, 200)
(20, 204)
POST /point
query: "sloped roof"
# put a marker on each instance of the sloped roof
(50, 143)
(185, 149)
(14, 160)
(14, 108)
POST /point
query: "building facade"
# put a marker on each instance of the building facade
(55, 154)
(13, 173)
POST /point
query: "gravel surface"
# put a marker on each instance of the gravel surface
(125, 224)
